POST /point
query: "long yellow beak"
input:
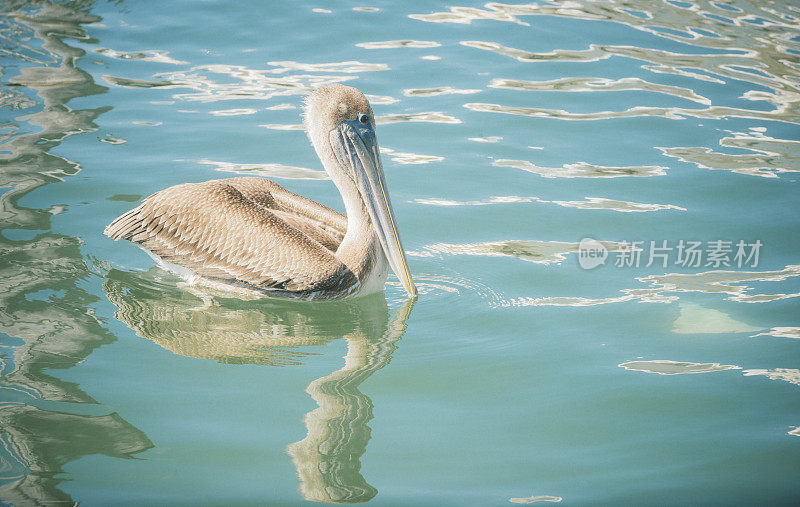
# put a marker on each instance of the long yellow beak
(356, 142)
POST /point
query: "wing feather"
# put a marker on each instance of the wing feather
(305, 214)
(247, 229)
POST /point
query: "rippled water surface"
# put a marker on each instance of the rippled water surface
(523, 144)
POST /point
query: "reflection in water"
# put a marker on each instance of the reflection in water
(57, 332)
(193, 323)
(768, 157)
(487, 139)
(409, 158)
(668, 367)
(212, 83)
(782, 332)
(206, 325)
(790, 375)
(696, 319)
(234, 112)
(426, 117)
(42, 304)
(269, 170)
(536, 498)
(663, 287)
(597, 203)
(392, 44)
(538, 252)
(328, 459)
(725, 282)
(753, 45)
(582, 170)
(439, 90)
(145, 56)
(598, 84)
(591, 203)
(44, 441)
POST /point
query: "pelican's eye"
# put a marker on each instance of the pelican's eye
(363, 118)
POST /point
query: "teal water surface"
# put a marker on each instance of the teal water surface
(598, 200)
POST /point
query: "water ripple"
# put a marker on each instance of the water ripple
(141, 83)
(596, 84)
(465, 15)
(283, 126)
(391, 44)
(701, 23)
(487, 139)
(348, 67)
(582, 170)
(782, 332)
(696, 319)
(671, 113)
(425, 117)
(730, 283)
(590, 203)
(233, 112)
(153, 55)
(434, 284)
(441, 90)
(536, 498)
(785, 374)
(537, 252)
(600, 203)
(768, 157)
(724, 282)
(270, 170)
(410, 158)
(113, 140)
(758, 46)
(381, 99)
(667, 367)
(259, 84)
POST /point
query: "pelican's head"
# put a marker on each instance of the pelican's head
(341, 126)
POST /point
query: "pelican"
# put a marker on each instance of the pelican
(252, 235)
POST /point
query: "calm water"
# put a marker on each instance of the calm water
(511, 133)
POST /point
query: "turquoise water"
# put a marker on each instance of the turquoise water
(510, 134)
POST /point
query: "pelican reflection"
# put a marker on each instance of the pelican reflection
(328, 459)
(271, 332)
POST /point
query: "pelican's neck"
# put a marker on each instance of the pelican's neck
(360, 248)
(357, 248)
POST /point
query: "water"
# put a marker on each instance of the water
(511, 133)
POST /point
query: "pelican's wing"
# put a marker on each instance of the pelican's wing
(216, 230)
(317, 221)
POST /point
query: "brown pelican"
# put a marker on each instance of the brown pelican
(252, 235)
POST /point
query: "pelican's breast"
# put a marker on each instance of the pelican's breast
(375, 273)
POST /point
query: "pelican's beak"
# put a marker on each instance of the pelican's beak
(356, 149)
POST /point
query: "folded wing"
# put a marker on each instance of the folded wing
(247, 229)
